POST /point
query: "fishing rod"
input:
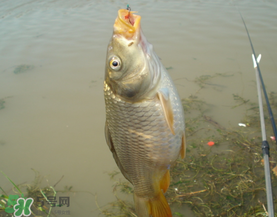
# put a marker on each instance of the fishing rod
(262, 82)
(265, 145)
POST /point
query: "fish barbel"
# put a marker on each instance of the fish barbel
(145, 127)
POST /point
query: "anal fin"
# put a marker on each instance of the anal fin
(165, 181)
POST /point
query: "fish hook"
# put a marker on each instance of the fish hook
(128, 16)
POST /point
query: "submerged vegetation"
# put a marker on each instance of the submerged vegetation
(224, 178)
(22, 68)
(2, 104)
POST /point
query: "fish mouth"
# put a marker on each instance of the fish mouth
(127, 23)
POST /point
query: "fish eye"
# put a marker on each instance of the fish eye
(115, 63)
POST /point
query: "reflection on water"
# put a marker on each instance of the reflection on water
(51, 78)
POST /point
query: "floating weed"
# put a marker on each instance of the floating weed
(2, 104)
(22, 68)
(193, 103)
(240, 99)
(226, 182)
(211, 181)
(204, 80)
(113, 174)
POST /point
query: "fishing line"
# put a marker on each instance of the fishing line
(265, 145)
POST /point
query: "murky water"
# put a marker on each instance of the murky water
(52, 57)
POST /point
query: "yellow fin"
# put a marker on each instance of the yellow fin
(165, 181)
(163, 96)
(154, 207)
(159, 206)
(183, 147)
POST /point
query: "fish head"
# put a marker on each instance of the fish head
(129, 60)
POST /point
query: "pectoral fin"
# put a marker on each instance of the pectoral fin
(112, 149)
(163, 96)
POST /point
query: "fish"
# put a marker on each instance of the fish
(145, 125)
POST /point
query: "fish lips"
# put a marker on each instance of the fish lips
(127, 24)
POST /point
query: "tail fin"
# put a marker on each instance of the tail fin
(155, 207)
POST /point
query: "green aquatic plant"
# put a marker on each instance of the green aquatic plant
(240, 99)
(205, 80)
(22, 68)
(2, 104)
(3, 101)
